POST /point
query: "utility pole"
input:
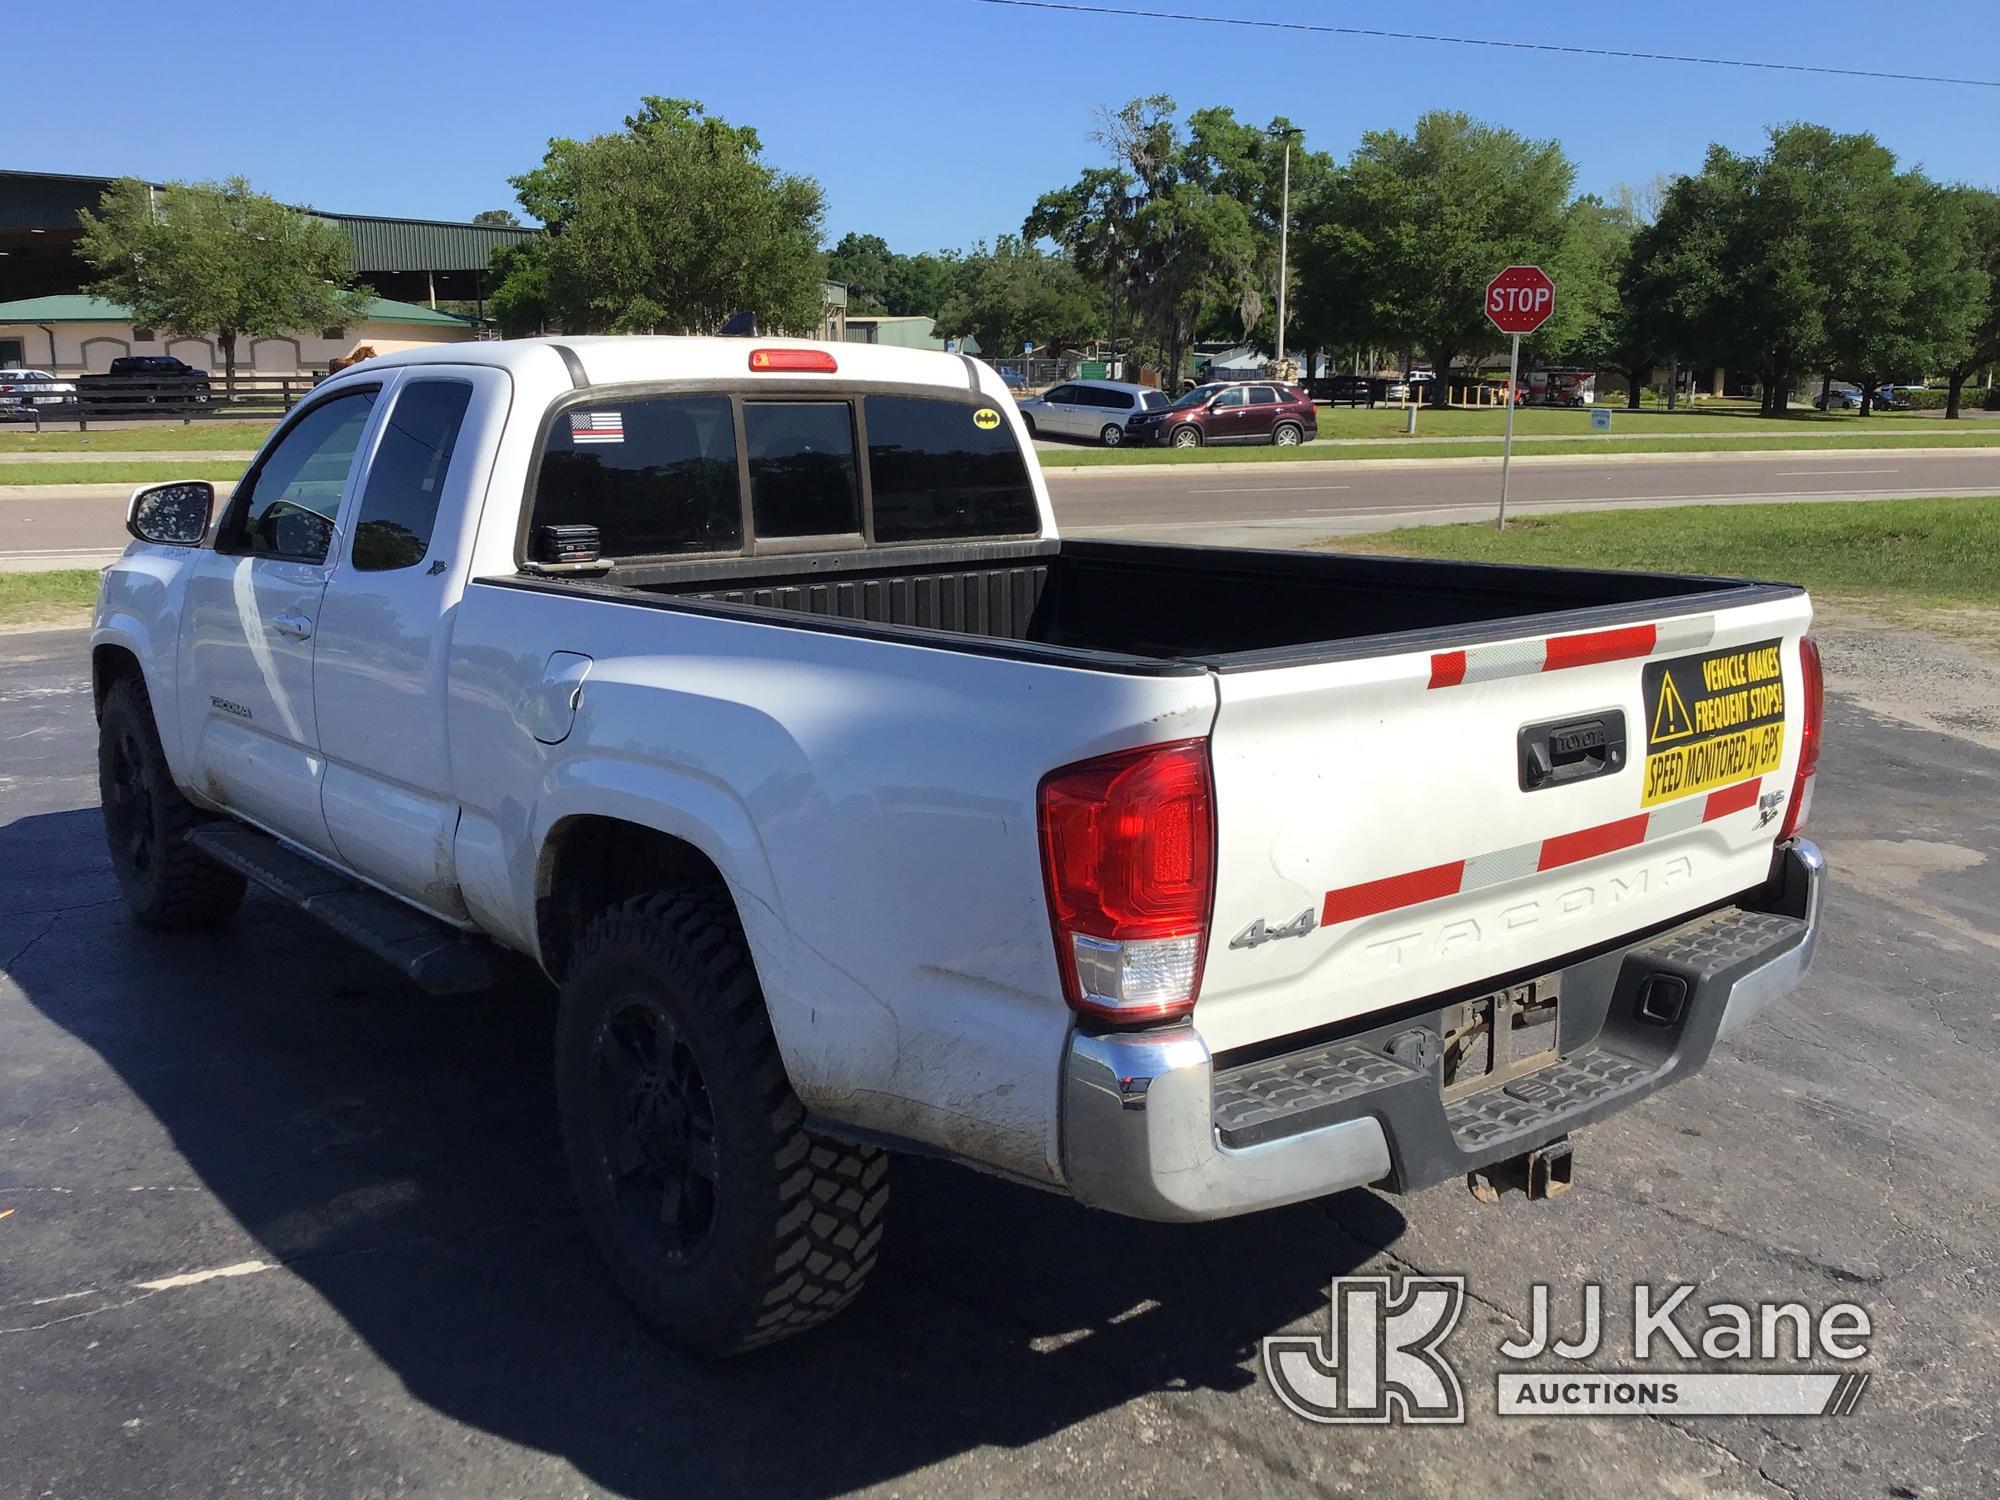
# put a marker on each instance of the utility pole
(1284, 236)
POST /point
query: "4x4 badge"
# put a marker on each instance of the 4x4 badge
(1258, 933)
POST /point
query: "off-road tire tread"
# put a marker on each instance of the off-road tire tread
(192, 893)
(832, 1195)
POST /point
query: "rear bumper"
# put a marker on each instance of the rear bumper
(1152, 1128)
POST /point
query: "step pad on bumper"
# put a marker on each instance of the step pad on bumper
(1542, 1097)
(1721, 940)
(1262, 1100)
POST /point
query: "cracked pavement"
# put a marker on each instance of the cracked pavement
(399, 1299)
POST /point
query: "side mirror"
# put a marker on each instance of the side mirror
(174, 515)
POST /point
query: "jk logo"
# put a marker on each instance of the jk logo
(1379, 1361)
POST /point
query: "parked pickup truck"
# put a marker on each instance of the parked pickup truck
(748, 690)
(148, 378)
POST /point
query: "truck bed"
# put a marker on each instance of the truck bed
(1141, 606)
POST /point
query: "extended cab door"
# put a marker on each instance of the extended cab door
(253, 606)
(379, 677)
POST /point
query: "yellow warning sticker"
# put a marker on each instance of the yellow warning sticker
(1713, 720)
(986, 419)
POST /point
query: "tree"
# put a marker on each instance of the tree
(865, 263)
(1015, 294)
(215, 257)
(1409, 232)
(519, 303)
(1978, 214)
(1182, 228)
(672, 225)
(497, 218)
(1588, 328)
(1816, 253)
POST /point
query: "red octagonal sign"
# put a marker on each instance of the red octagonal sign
(1520, 299)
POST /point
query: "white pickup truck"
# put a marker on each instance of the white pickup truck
(748, 690)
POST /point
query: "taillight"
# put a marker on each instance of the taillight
(1128, 856)
(1812, 693)
(816, 360)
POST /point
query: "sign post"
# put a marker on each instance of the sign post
(1518, 300)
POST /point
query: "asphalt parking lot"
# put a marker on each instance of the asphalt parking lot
(271, 1223)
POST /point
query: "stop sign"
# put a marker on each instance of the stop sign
(1520, 299)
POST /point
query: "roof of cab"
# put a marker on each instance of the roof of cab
(622, 359)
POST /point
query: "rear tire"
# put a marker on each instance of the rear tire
(167, 882)
(1111, 435)
(725, 1224)
(1287, 435)
(1186, 437)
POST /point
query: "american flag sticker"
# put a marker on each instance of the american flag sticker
(596, 427)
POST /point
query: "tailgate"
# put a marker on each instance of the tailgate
(1394, 827)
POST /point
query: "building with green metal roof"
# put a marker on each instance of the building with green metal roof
(73, 333)
(416, 260)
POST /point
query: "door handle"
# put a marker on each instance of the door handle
(292, 625)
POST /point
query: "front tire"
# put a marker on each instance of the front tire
(1112, 435)
(1029, 423)
(167, 882)
(1187, 437)
(725, 1224)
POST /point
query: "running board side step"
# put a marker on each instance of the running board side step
(435, 957)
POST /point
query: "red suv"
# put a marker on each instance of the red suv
(1247, 411)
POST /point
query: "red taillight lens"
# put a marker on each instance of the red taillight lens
(1128, 856)
(816, 360)
(1812, 694)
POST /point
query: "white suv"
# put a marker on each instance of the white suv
(1094, 409)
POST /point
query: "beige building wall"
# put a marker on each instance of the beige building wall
(89, 348)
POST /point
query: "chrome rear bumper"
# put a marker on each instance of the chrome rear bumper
(1140, 1127)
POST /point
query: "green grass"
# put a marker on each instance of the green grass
(1781, 440)
(1916, 552)
(1387, 421)
(58, 598)
(111, 472)
(158, 437)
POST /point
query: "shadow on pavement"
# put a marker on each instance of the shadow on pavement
(397, 1152)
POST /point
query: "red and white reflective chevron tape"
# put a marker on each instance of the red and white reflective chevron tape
(1552, 654)
(1415, 887)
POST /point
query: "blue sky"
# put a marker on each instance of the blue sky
(930, 122)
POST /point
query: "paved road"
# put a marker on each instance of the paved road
(1271, 505)
(409, 1306)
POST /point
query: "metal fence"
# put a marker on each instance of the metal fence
(106, 398)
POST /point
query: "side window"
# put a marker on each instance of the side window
(1234, 396)
(1156, 401)
(936, 472)
(287, 505)
(653, 474)
(802, 469)
(1062, 395)
(399, 503)
(1263, 395)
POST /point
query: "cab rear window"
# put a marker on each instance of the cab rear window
(668, 475)
(943, 469)
(655, 476)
